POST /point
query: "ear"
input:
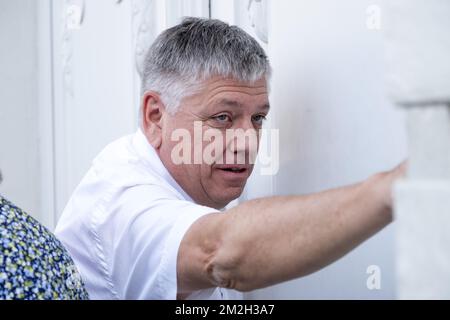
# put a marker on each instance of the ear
(152, 114)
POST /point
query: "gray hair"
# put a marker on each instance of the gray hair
(195, 50)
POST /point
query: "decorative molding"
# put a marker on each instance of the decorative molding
(257, 12)
(144, 27)
(72, 19)
(150, 17)
(74, 14)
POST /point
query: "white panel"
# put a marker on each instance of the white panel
(418, 47)
(423, 258)
(417, 50)
(47, 213)
(19, 127)
(94, 86)
(429, 142)
(177, 9)
(224, 10)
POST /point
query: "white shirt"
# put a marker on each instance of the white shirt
(124, 223)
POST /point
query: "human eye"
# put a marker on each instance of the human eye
(222, 119)
(259, 119)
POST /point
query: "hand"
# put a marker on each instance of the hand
(389, 178)
(399, 171)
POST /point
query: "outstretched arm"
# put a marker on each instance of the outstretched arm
(269, 240)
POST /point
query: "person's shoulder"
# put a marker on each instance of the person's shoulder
(31, 252)
(23, 228)
(116, 151)
(149, 194)
(152, 201)
(14, 218)
(117, 166)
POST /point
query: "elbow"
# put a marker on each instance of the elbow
(226, 268)
(232, 264)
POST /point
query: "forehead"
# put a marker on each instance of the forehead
(217, 85)
(230, 92)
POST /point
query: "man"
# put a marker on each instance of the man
(144, 224)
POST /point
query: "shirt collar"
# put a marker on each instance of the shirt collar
(148, 155)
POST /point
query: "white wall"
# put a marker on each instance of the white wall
(336, 127)
(19, 126)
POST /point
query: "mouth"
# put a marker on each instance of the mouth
(234, 172)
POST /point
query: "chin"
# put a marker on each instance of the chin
(225, 197)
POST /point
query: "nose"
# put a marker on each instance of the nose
(242, 143)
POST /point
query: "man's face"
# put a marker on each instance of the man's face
(223, 109)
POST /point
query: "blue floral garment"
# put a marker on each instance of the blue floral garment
(33, 263)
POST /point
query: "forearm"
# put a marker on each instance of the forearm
(269, 240)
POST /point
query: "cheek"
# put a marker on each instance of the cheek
(165, 152)
(205, 171)
(211, 180)
(194, 173)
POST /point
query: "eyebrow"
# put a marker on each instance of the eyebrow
(233, 103)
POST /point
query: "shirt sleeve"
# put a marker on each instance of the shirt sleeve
(144, 260)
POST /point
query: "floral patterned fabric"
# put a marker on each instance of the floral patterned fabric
(33, 263)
